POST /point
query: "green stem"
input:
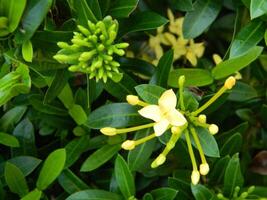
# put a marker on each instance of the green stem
(190, 150)
(135, 128)
(199, 147)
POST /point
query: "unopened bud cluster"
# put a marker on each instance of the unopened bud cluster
(92, 50)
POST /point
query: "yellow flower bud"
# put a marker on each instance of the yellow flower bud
(128, 145)
(230, 82)
(217, 59)
(181, 80)
(202, 118)
(158, 161)
(213, 129)
(108, 131)
(175, 130)
(195, 176)
(204, 168)
(132, 99)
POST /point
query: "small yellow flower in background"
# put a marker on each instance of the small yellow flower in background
(166, 116)
(173, 37)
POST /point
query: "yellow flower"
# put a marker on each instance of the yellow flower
(194, 51)
(164, 114)
(176, 25)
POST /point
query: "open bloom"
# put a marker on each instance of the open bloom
(165, 113)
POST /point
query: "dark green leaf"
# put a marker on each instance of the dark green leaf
(164, 193)
(122, 8)
(193, 77)
(53, 166)
(149, 93)
(15, 180)
(99, 157)
(232, 145)
(83, 12)
(233, 65)
(161, 74)
(242, 92)
(233, 176)
(124, 178)
(140, 22)
(94, 195)
(203, 14)
(114, 115)
(182, 5)
(201, 192)
(248, 37)
(95, 7)
(217, 173)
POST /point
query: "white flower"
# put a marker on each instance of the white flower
(164, 114)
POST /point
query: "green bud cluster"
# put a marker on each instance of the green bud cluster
(92, 50)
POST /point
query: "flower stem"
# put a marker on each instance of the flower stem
(190, 150)
(144, 139)
(181, 92)
(135, 128)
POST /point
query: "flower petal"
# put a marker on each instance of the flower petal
(161, 126)
(167, 101)
(151, 112)
(176, 118)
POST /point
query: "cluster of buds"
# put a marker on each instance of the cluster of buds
(166, 116)
(242, 196)
(92, 50)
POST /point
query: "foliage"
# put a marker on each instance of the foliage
(82, 81)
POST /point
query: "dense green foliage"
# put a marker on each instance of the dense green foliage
(67, 66)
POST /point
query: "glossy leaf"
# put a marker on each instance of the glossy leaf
(193, 77)
(257, 8)
(124, 177)
(8, 140)
(93, 194)
(122, 8)
(15, 180)
(201, 192)
(230, 66)
(203, 14)
(84, 12)
(99, 157)
(233, 176)
(53, 166)
(248, 37)
(114, 115)
(78, 114)
(149, 93)
(27, 51)
(182, 5)
(33, 195)
(242, 92)
(164, 193)
(232, 145)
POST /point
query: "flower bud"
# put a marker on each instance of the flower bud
(132, 100)
(128, 145)
(213, 129)
(230, 82)
(181, 81)
(204, 169)
(108, 131)
(158, 161)
(202, 118)
(217, 59)
(195, 176)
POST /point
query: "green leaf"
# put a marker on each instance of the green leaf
(33, 195)
(242, 92)
(257, 8)
(34, 15)
(8, 140)
(140, 22)
(70, 182)
(94, 5)
(24, 132)
(121, 89)
(201, 192)
(58, 83)
(122, 8)
(27, 51)
(78, 114)
(190, 101)
(232, 145)
(75, 148)
(99, 157)
(11, 117)
(114, 115)
(217, 173)
(138, 157)
(164, 193)
(207, 142)
(193, 77)
(203, 14)
(124, 178)
(149, 93)
(233, 65)
(161, 74)
(248, 37)
(182, 5)
(66, 96)
(15, 180)
(94, 195)
(53, 166)
(13, 10)
(83, 12)
(26, 164)
(233, 176)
